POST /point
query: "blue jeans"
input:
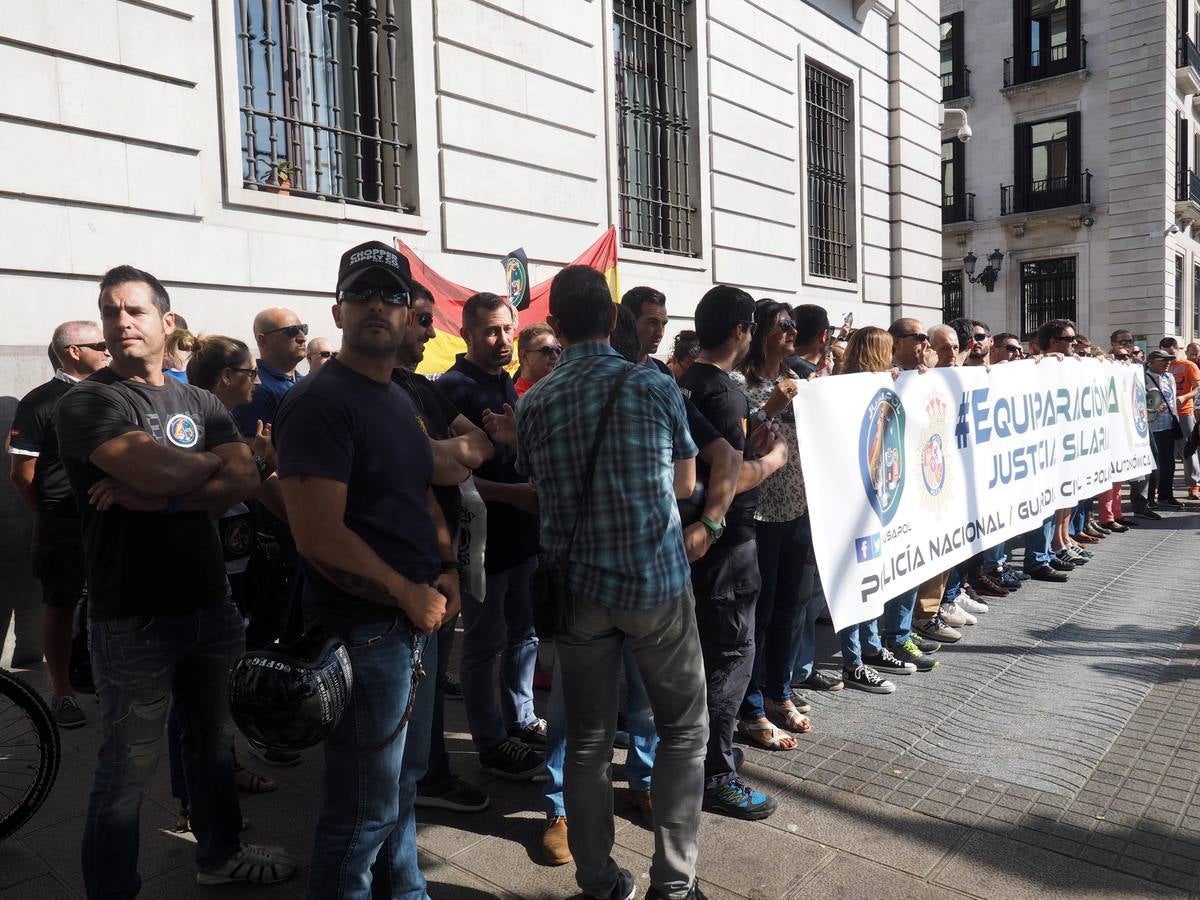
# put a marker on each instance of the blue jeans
(437, 773)
(1079, 518)
(896, 621)
(854, 638)
(953, 585)
(782, 553)
(1037, 545)
(804, 638)
(372, 764)
(639, 721)
(501, 626)
(139, 663)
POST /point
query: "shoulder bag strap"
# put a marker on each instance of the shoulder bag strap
(589, 478)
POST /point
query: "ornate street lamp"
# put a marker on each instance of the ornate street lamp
(988, 276)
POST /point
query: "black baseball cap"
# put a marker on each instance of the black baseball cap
(1159, 354)
(376, 257)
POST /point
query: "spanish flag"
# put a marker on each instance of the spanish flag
(449, 299)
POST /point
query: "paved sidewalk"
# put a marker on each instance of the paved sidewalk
(1054, 753)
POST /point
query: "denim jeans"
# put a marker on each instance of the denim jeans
(437, 772)
(897, 618)
(639, 721)
(854, 638)
(139, 663)
(499, 627)
(372, 763)
(954, 584)
(1079, 518)
(666, 651)
(782, 554)
(1037, 545)
(812, 602)
(993, 558)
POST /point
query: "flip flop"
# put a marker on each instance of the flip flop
(756, 733)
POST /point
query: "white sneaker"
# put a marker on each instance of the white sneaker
(252, 863)
(967, 615)
(974, 607)
(954, 615)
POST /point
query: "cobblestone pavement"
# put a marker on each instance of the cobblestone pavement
(1055, 752)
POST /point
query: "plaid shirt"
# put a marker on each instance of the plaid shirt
(629, 552)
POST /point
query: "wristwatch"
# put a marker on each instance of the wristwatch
(715, 529)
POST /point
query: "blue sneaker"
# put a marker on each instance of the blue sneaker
(738, 801)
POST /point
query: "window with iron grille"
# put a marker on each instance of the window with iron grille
(326, 100)
(828, 100)
(1178, 294)
(952, 294)
(1196, 302)
(657, 154)
(1047, 292)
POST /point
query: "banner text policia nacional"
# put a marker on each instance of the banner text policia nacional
(909, 477)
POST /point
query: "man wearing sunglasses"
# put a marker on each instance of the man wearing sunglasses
(538, 350)
(282, 341)
(39, 478)
(1006, 347)
(320, 351)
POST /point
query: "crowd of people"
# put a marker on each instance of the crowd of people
(646, 555)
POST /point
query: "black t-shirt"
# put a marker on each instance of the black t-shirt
(341, 425)
(801, 366)
(434, 415)
(143, 563)
(33, 434)
(724, 405)
(512, 535)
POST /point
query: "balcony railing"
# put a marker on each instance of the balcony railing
(956, 84)
(1186, 53)
(958, 208)
(1035, 64)
(1050, 193)
(1187, 187)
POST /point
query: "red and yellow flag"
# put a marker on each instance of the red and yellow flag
(449, 299)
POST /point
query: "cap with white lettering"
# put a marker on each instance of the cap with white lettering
(376, 257)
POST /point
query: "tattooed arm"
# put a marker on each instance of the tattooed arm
(316, 509)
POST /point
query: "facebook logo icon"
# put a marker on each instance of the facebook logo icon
(866, 548)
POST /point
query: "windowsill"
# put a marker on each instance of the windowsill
(664, 260)
(832, 284)
(1050, 81)
(330, 210)
(965, 102)
(1072, 216)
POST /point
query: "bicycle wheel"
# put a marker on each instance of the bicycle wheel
(29, 752)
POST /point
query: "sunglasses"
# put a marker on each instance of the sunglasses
(253, 373)
(391, 296)
(917, 336)
(424, 319)
(324, 354)
(1120, 356)
(750, 327)
(99, 346)
(1012, 349)
(787, 325)
(290, 330)
(1126, 341)
(1067, 338)
(980, 336)
(550, 350)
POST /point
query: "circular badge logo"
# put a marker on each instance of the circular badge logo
(1141, 423)
(881, 453)
(515, 276)
(182, 431)
(933, 465)
(239, 538)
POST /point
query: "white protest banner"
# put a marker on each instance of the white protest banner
(906, 478)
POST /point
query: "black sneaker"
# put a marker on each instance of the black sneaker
(908, 652)
(1048, 573)
(66, 713)
(455, 795)
(1148, 514)
(1017, 573)
(886, 661)
(867, 679)
(513, 760)
(624, 889)
(820, 680)
(451, 688)
(1060, 565)
(985, 586)
(924, 644)
(739, 801)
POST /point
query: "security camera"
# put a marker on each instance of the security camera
(964, 132)
(1174, 229)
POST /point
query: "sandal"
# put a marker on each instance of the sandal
(785, 713)
(765, 735)
(252, 782)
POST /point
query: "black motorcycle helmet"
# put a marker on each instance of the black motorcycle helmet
(291, 697)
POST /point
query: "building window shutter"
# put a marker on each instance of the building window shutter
(1021, 173)
(1074, 154)
(1020, 41)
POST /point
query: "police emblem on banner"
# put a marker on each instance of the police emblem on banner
(516, 278)
(1141, 423)
(934, 456)
(881, 453)
(182, 431)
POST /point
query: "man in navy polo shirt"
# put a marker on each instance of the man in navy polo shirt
(282, 345)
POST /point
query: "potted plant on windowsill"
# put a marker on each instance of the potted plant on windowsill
(280, 181)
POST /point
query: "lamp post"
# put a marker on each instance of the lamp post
(990, 272)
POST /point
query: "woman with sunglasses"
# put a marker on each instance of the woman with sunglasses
(783, 537)
(538, 350)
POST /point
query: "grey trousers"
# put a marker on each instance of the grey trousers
(666, 648)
